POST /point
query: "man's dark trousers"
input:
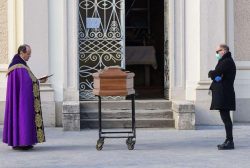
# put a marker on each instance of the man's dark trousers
(225, 116)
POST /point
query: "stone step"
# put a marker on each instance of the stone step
(126, 123)
(126, 104)
(119, 114)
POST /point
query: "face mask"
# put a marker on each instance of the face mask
(218, 56)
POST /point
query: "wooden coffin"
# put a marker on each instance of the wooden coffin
(112, 81)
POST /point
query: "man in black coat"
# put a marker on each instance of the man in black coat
(223, 95)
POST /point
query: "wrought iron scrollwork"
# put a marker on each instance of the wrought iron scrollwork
(99, 47)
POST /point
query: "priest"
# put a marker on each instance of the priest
(23, 122)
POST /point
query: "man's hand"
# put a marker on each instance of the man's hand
(209, 74)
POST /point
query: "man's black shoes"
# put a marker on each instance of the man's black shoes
(223, 143)
(227, 145)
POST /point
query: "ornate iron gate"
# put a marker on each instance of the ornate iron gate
(99, 46)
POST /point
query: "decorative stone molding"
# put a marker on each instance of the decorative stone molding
(184, 115)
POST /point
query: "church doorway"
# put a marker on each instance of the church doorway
(144, 53)
(128, 33)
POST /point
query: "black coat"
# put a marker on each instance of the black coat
(223, 95)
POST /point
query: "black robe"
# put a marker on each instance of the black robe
(223, 95)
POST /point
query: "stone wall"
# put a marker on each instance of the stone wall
(3, 54)
(3, 32)
(241, 30)
(241, 54)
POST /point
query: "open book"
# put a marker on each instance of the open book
(46, 76)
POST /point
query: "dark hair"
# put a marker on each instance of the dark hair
(22, 48)
(225, 47)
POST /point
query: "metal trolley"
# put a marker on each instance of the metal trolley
(131, 135)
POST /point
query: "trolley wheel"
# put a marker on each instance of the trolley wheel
(130, 143)
(127, 141)
(131, 146)
(99, 144)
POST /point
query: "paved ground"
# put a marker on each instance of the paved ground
(155, 148)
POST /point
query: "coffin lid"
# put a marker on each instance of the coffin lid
(113, 72)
